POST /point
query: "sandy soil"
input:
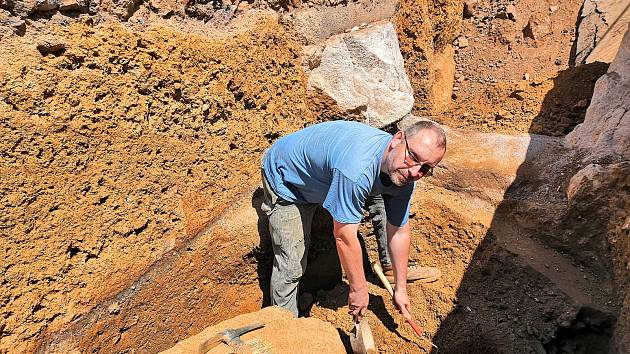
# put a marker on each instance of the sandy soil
(130, 160)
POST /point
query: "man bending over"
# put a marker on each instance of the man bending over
(339, 165)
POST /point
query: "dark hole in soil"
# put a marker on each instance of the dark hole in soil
(589, 333)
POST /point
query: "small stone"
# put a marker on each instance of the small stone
(462, 42)
(460, 79)
(51, 45)
(558, 61)
(354, 29)
(537, 27)
(526, 77)
(114, 308)
(553, 8)
(19, 27)
(511, 13)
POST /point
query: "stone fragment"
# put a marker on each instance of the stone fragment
(606, 126)
(46, 5)
(22, 8)
(73, 5)
(553, 8)
(50, 45)
(537, 27)
(317, 24)
(511, 12)
(16, 24)
(462, 42)
(114, 308)
(363, 73)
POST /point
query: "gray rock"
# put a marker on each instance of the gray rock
(46, 5)
(606, 126)
(363, 73)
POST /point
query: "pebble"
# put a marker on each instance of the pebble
(462, 42)
(526, 77)
(558, 61)
(114, 308)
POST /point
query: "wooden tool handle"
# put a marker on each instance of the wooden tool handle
(379, 272)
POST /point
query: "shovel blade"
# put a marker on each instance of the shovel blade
(361, 339)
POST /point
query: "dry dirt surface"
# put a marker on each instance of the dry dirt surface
(129, 161)
(507, 81)
(119, 145)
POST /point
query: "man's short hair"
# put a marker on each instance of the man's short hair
(421, 125)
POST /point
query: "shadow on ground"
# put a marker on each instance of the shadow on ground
(530, 287)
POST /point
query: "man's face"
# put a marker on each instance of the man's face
(411, 158)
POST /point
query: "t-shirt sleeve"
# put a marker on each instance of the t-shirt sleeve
(397, 205)
(345, 198)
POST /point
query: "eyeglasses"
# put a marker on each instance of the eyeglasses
(411, 160)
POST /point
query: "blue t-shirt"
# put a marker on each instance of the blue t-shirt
(336, 164)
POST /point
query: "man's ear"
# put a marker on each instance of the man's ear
(397, 138)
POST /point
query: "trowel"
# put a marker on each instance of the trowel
(361, 339)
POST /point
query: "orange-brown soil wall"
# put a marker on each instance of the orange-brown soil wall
(121, 147)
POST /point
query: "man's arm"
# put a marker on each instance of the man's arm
(398, 239)
(349, 250)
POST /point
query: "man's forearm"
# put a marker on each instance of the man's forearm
(398, 239)
(349, 250)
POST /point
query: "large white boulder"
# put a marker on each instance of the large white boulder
(363, 73)
(606, 126)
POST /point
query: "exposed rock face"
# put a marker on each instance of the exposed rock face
(606, 127)
(597, 17)
(598, 193)
(599, 214)
(363, 73)
(281, 334)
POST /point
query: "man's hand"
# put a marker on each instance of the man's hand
(358, 301)
(401, 300)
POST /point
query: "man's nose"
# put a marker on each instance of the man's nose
(414, 172)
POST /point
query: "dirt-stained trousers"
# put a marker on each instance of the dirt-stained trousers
(290, 229)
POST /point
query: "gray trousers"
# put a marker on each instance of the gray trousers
(290, 229)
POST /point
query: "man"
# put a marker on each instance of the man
(339, 165)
